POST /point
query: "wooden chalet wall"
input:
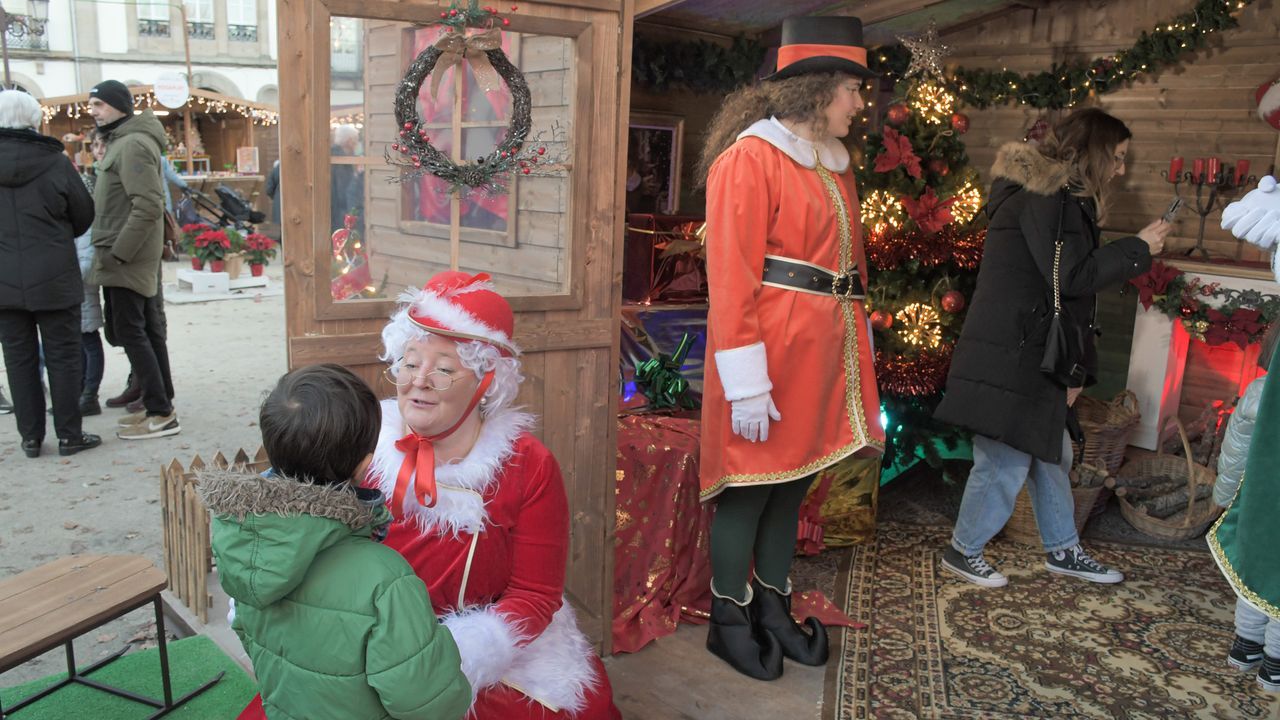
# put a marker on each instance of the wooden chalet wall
(1205, 107)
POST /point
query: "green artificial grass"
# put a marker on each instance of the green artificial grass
(192, 662)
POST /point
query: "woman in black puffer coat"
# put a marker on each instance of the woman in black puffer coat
(43, 207)
(995, 387)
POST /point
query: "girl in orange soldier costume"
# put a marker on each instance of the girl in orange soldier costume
(791, 389)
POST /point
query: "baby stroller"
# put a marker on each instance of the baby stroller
(231, 210)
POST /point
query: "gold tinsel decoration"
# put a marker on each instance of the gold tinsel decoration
(968, 200)
(932, 102)
(881, 212)
(920, 325)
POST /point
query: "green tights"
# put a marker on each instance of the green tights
(755, 522)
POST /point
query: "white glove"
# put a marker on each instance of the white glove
(1256, 216)
(750, 416)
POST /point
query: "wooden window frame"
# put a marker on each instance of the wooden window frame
(579, 224)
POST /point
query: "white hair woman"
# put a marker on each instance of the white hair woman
(40, 286)
(480, 506)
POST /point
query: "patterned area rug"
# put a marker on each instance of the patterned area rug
(1044, 646)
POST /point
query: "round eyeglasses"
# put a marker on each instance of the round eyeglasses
(406, 375)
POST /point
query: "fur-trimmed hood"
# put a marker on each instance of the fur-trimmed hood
(268, 529)
(1020, 166)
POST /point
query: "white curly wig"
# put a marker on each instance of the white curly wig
(478, 357)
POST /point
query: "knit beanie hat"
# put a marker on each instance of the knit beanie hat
(115, 94)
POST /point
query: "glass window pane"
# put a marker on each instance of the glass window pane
(199, 11)
(242, 12)
(411, 229)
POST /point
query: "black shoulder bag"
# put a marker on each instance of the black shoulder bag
(1064, 345)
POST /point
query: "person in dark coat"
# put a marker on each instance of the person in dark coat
(995, 388)
(45, 206)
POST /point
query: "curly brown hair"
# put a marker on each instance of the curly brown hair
(1086, 140)
(799, 99)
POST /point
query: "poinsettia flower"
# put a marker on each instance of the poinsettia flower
(928, 212)
(1238, 327)
(898, 151)
(1154, 282)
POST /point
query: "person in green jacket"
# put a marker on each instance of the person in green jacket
(337, 625)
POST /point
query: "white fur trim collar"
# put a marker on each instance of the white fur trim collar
(461, 484)
(830, 151)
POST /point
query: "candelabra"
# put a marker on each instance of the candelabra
(1222, 182)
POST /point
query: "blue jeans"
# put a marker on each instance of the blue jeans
(998, 474)
(94, 361)
(1253, 624)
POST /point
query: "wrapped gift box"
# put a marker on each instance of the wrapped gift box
(662, 260)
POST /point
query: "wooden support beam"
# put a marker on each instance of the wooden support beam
(649, 7)
(878, 11)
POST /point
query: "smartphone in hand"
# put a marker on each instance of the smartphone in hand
(1174, 207)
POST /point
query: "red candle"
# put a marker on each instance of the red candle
(1175, 168)
(1242, 171)
(1215, 165)
(1197, 170)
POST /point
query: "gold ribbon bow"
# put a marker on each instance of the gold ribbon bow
(456, 45)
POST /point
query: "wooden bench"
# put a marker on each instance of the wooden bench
(53, 604)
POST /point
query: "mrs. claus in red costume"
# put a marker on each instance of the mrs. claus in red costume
(480, 507)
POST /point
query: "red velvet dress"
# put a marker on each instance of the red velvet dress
(504, 507)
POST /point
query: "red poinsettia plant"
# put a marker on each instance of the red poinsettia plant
(211, 245)
(259, 248)
(189, 233)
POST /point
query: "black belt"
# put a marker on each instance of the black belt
(803, 277)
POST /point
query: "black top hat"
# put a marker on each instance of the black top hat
(822, 44)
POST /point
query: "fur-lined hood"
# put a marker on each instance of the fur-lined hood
(1024, 165)
(268, 529)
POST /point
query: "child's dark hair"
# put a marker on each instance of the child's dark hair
(319, 423)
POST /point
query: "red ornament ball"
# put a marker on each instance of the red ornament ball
(897, 114)
(939, 167)
(525, 171)
(444, 15)
(881, 320)
(395, 147)
(960, 122)
(953, 301)
(542, 151)
(1187, 311)
(408, 125)
(453, 13)
(505, 22)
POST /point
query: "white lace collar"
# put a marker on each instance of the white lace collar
(833, 154)
(461, 483)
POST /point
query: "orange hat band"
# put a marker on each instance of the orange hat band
(791, 54)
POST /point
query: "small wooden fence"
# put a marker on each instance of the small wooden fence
(188, 556)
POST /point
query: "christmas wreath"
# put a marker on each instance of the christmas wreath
(414, 152)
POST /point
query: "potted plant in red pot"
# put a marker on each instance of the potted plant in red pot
(258, 249)
(189, 233)
(211, 246)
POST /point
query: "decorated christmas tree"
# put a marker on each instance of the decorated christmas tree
(923, 240)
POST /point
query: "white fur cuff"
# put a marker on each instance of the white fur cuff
(486, 643)
(744, 371)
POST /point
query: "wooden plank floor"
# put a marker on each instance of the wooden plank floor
(675, 678)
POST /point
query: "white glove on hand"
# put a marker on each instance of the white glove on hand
(750, 416)
(1256, 216)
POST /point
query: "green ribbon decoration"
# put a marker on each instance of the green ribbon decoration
(660, 379)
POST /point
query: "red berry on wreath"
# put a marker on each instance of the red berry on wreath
(514, 8)
(444, 15)
(542, 151)
(453, 13)
(881, 320)
(505, 22)
(395, 147)
(525, 171)
(953, 301)
(897, 114)
(408, 125)
(960, 122)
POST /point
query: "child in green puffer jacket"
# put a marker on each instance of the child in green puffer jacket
(337, 625)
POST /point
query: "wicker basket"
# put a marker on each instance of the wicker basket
(1107, 427)
(1199, 516)
(1087, 483)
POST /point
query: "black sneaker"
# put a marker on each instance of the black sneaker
(1245, 655)
(1074, 561)
(71, 446)
(973, 568)
(1269, 674)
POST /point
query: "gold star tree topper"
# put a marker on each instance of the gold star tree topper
(926, 53)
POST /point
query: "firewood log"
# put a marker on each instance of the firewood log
(1163, 506)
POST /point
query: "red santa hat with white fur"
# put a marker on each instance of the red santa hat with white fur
(464, 307)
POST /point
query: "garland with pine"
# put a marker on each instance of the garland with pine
(699, 66)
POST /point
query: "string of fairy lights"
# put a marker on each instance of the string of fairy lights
(210, 106)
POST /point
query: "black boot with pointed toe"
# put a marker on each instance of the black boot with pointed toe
(733, 638)
(771, 610)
